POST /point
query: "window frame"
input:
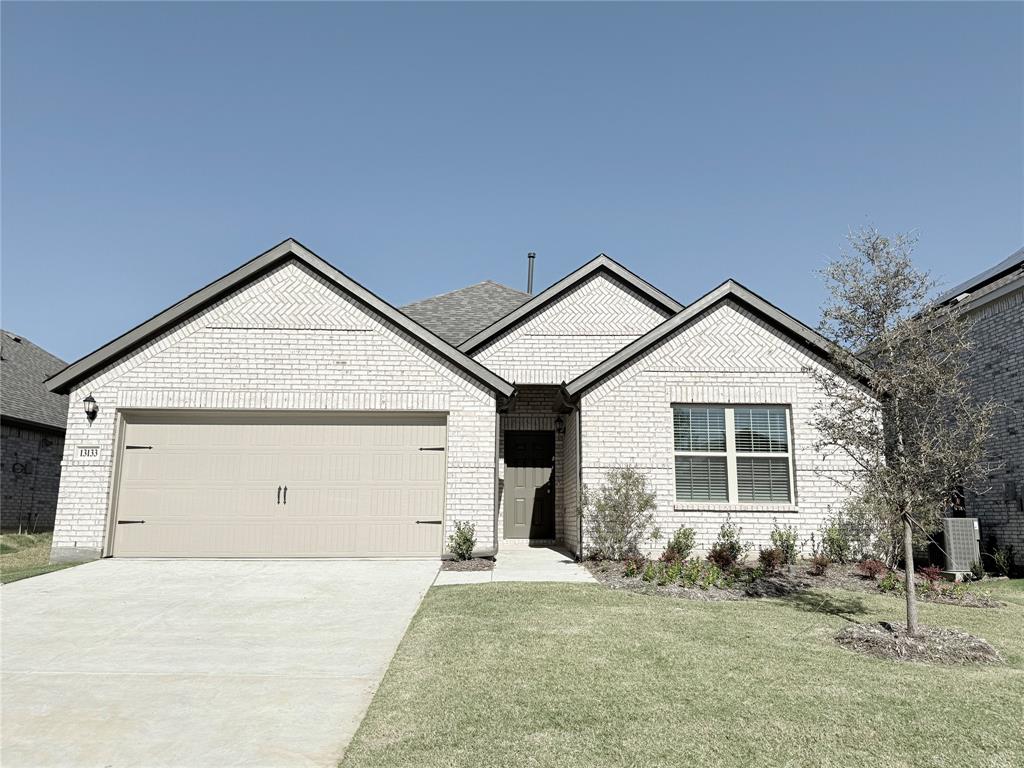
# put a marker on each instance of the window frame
(731, 454)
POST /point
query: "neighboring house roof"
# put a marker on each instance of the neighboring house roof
(597, 265)
(979, 281)
(457, 315)
(204, 297)
(729, 290)
(23, 393)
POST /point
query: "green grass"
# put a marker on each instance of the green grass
(564, 674)
(23, 555)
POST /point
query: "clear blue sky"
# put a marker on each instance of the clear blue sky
(150, 148)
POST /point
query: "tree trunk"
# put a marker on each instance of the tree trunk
(908, 565)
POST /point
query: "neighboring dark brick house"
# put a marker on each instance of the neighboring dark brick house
(994, 301)
(32, 421)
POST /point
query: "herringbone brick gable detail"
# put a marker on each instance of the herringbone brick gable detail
(583, 327)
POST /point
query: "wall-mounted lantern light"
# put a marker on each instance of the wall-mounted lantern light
(560, 425)
(91, 407)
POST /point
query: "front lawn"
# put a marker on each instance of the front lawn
(26, 554)
(512, 674)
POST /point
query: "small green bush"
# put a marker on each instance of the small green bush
(462, 542)
(633, 566)
(771, 559)
(1002, 560)
(679, 546)
(835, 543)
(691, 573)
(784, 538)
(728, 548)
(890, 583)
(619, 517)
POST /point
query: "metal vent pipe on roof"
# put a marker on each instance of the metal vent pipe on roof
(529, 275)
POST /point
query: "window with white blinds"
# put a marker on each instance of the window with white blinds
(733, 454)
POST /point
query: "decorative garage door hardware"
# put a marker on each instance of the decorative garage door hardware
(138, 447)
(433, 449)
(130, 522)
(279, 495)
(428, 522)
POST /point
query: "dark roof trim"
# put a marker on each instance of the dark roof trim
(204, 297)
(38, 426)
(544, 298)
(1003, 268)
(730, 289)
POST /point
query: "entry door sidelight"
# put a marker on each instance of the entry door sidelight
(529, 485)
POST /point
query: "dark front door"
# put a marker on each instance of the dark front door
(529, 485)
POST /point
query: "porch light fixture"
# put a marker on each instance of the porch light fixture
(560, 425)
(91, 407)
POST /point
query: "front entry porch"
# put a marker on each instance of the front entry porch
(533, 469)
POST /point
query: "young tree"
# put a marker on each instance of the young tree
(915, 433)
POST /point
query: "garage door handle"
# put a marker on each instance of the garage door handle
(138, 447)
(130, 522)
(428, 522)
(286, 494)
(279, 494)
(441, 448)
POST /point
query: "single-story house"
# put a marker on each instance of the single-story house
(993, 301)
(284, 410)
(31, 435)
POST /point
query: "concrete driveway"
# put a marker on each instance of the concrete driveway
(198, 663)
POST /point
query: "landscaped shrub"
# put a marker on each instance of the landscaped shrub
(930, 573)
(679, 546)
(1002, 560)
(820, 564)
(711, 576)
(463, 541)
(872, 569)
(690, 573)
(650, 572)
(619, 518)
(890, 582)
(728, 548)
(977, 570)
(633, 566)
(785, 539)
(771, 559)
(835, 543)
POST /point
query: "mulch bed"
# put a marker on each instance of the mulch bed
(932, 645)
(791, 580)
(609, 573)
(473, 564)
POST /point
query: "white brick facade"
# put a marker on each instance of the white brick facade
(587, 324)
(290, 340)
(728, 356)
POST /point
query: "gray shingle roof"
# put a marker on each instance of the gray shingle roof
(457, 315)
(1005, 266)
(23, 395)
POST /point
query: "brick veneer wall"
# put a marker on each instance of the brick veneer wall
(727, 357)
(290, 340)
(29, 476)
(997, 372)
(584, 326)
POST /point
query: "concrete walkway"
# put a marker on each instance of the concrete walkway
(199, 662)
(523, 564)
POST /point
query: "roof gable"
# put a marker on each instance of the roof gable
(457, 315)
(248, 272)
(24, 396)
(601, 263)
(730, 290)
(1008, 265)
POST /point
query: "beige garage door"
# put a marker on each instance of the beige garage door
(242, 484)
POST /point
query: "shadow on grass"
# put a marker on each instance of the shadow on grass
(846, 607)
